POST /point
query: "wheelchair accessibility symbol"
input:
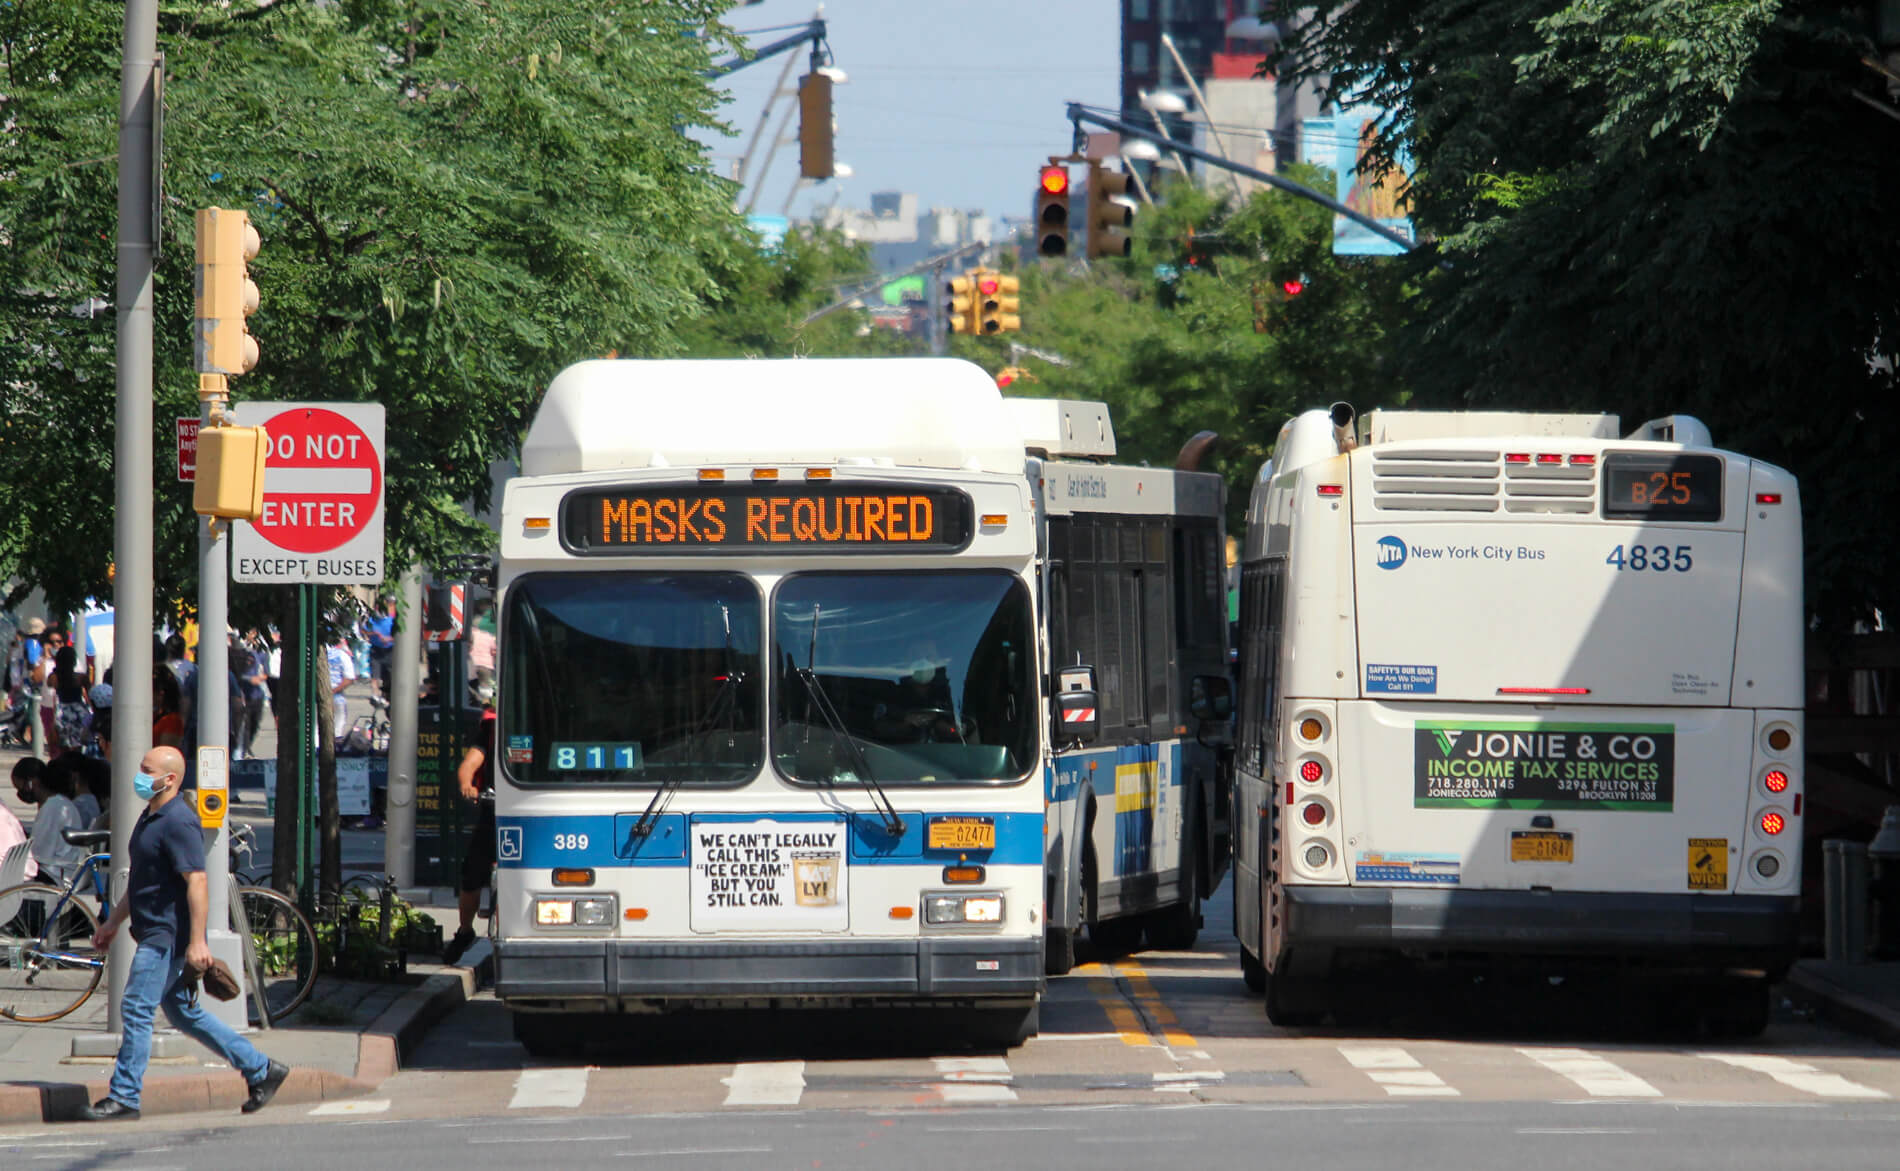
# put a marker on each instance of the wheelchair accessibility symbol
(510, 844)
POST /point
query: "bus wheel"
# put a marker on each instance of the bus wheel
(1252, 971)
(1175, 928)
(1293, 1003)
(1058, 951)
(1736, 1008)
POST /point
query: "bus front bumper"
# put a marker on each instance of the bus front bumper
(574, 973)
(1666, 930)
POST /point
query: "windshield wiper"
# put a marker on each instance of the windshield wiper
(725, 699)
(893, 824)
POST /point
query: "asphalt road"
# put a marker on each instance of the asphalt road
(1142, 1059)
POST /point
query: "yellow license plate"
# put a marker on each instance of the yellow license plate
(963, 833)
(1542, 846)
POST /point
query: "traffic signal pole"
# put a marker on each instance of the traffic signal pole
(132, 464)
(1078, 115)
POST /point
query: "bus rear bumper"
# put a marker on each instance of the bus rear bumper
(596, 974)
(1665, 930)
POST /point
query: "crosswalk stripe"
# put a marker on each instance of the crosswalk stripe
(1397, 1072)
(1598, 1077)
(1799, 1075)
(549, 1088)
(354, 1106)
(765, 1083)
(974, 1079)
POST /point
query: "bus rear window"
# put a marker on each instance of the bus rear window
(1645, 486)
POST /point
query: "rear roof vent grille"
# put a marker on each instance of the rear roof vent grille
(1435, 481)
(1469, 481)
(1550, 488)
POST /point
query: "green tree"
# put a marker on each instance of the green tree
(1650, 208)
(457, 198)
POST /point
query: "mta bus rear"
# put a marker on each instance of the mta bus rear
(1522, 689)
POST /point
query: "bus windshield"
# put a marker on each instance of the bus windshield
(920, 678)
(632, 678)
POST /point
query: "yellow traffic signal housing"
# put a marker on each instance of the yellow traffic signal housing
(816, 158)
(1052, 211)
(997, 304)
(1108, 218)
(230, 477)
(961, 305)
(225, 295)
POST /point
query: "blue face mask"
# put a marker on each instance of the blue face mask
(146, 785)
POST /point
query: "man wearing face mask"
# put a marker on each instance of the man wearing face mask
(166, 902)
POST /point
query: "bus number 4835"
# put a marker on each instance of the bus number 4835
(1660, 558)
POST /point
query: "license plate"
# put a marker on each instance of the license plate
(963, 833)
(1542, 845)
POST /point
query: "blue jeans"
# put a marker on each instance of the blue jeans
(158, 976)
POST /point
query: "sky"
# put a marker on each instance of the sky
(958, 101)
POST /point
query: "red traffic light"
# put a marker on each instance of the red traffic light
(1293, 288)
(1005, 378)
(1055, 180)
(988, 286)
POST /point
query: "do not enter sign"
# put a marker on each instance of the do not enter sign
(323, 496)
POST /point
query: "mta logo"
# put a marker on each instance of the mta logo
(1391, 552)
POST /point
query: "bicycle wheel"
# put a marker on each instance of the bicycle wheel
(47, 968)
(286, 952)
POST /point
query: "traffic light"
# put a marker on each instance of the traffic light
(1009, 374)
(997, 305)
(961, 306)
(815, 157)
(222, 342)
(1052, 211)
(229, 481)
(1108, 217)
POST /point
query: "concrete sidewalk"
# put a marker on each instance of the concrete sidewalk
(344, 1041)
(1861, 997)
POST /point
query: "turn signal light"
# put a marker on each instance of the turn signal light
(1311, 728)
(903, 912)
(1776, 780)
(636, 914)
(1779, 739)
(574, 877)
(995, 520)
(535, 524)
(1773, 823)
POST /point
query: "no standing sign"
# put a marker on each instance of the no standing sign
(323, 496)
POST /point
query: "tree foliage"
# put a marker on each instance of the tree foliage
(1651, 208)
(456, 198)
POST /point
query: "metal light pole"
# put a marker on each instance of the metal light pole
(214, 734)
(132, 462)
(405, 685)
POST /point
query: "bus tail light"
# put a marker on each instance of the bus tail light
(1312, 772)
(1582, 461)
(1773, 823)
(1768, 498)
(1332, 491)
(1775, 781)
(1313, 813)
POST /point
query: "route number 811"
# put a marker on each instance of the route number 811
(1660, 558)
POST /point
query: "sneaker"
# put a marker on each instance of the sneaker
(107, 1109)
(264, 1090)
(464, 939)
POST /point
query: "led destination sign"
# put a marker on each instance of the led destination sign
(1641, 486)
(785, 518)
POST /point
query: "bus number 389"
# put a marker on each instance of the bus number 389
(1660, 558)
(570, 841)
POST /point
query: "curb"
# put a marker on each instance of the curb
(1846, 1008)
(380, 1049)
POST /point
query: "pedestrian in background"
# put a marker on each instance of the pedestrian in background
(53, 789)
(342, 674)
(379, 630)
(50, 645)
(476, 777)
(168, 722)
(481, 647)
(253, 671)
(166, 903)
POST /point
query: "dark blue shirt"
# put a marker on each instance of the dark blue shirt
(166, 846)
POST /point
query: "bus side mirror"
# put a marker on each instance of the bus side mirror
(1078, 717)
(1211, 697)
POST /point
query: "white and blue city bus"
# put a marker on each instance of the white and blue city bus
(1518, 690)
(1138, 821)
(771, 699)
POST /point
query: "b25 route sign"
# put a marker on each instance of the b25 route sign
(323, 496)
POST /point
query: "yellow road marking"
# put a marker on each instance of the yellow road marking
(1149, 1000)
(1120, 1014)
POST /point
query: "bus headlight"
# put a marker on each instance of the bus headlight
(961, 908)
(594, 911)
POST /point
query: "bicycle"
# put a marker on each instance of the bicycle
(48, 966)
